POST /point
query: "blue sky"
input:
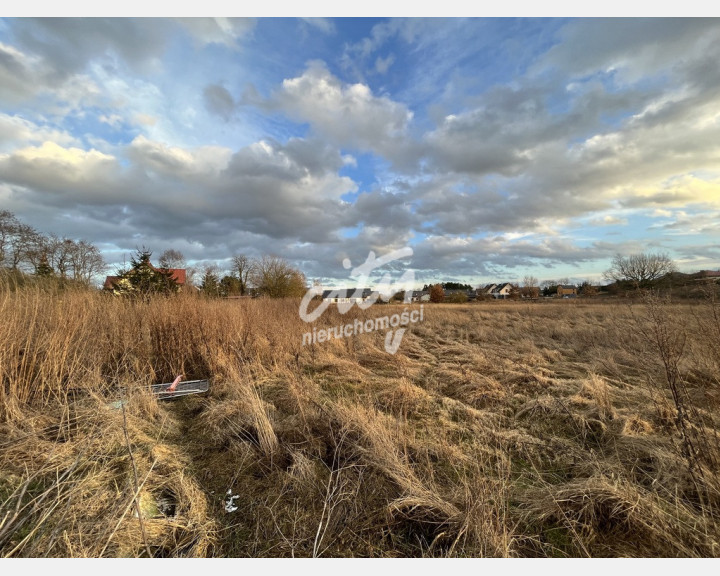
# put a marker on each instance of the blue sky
(495, 147)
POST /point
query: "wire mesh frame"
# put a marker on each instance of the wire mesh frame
(184, 388)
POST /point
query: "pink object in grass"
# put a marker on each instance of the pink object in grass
(172, 386)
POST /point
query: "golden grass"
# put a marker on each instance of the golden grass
(498, 429)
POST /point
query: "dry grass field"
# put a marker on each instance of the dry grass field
(564, 428)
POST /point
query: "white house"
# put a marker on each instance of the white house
(501, 291)
(347, 295)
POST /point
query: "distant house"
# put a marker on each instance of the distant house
(566, 291)
(484, 292)
(501, 291)
(347, 295)
(110, 282)
(420, 296)
(708, 275)
(179, 275)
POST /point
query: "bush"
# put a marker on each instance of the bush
(437, 294)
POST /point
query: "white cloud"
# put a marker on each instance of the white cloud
(16, 131)
(608, 220)
(349, 115)
(270, 189)
(176, 162)
(226, 31)
(55, 168)
(325, 25)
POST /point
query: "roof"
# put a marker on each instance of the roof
(179, 275)
(347, 293)
(110, 282)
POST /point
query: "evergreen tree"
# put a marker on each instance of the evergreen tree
(456, 286)
(210, 285)
(231, 285)
(43, 268)
(144, 279)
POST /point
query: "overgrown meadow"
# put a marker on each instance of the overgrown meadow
(560, 428)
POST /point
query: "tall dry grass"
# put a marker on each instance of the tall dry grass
(498, 429)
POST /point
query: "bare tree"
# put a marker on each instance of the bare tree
(8, 229)
(30, 250)
(588, 289)
(642, 270)
(24, 248)
(20, 244)
(86, 261)
(172, 259)
(530, 287)
(78, 260)
(276, 278)
(59, 255)
(28, 247)
(243, 269)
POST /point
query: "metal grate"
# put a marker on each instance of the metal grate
(182, 389)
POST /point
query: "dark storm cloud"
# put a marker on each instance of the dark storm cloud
(219, 101)
(68, 44)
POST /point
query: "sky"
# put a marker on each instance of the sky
(495, 148)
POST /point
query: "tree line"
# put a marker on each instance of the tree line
(634, 272)
(24, 249)
(269, 276)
